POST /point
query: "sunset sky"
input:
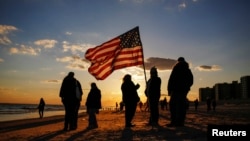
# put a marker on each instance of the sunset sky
(42, 40)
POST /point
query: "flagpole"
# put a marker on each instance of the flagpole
(143, 64)
(146, 81)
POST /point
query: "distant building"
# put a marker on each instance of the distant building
(206, 92)
(222, 91)
(245, 86)
(235, 90)
(225, 91)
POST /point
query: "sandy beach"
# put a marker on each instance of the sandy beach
(111, 126)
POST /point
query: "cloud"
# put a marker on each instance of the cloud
(4, 31)
(74, 62)
(64, 59)
(182, 5)
(160, 63)
(68, 33)
(1, 60)
(5, 40)
(208, 68)
(52, 81)
(24, 50)
(136, 73)
(46, 43)
(75, 47)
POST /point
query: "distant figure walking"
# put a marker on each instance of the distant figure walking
(70, 100)
(165, 103)
(179, 83)
(214, 104)
(140, 105)
(41, 107)
(153, 93)
(116, 106)
(121, 106)
(208, 104)
(130, 98)
(93, 104)
(196, 103)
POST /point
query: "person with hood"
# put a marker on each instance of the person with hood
(179, 83)
(70, 100)
(130, 98)
(153, 93)
(93, 104)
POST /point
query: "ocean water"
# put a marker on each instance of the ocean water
(10, 112)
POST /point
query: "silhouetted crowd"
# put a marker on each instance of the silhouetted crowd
(179, 84)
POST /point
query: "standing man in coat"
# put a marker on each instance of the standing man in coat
(70, 100)
(153, 93)
(179, 83)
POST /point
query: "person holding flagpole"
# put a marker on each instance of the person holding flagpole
(153, 93)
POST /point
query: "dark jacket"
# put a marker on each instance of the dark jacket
(68, 88)
(129, 92)
(153, 90)
(94, 99)
(181, 78)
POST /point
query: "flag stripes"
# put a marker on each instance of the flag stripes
(111, 56)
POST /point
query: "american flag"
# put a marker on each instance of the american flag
(120, 52)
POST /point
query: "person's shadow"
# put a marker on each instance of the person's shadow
(127, 135)
(77, 135)
(48, 136)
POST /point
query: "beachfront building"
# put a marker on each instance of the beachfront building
(223, 91)
(245, 86)
(226, 91)
(206, 92)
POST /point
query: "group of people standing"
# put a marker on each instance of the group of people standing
(72, 102)
(180, 81)
(179, 84)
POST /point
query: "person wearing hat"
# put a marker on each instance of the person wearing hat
(153, 93)
(179, 83)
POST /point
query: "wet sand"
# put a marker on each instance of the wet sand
(111, 126)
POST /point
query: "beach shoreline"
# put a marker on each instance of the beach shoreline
(111, 126)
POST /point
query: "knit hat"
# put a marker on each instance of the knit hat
(181, 59)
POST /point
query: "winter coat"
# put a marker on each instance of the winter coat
(181, 78)
(94, 99)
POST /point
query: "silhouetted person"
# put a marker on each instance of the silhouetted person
(214, 104)
(130, 98)
(41, 107)
(140, 105)
(93, 104)
(179, 83)
(162, 104)
(70, 100)
(116, 106)
(146, 106)
(196, 103)
(121, 106)
(165, 103)
(153, 93)
(208, 104)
